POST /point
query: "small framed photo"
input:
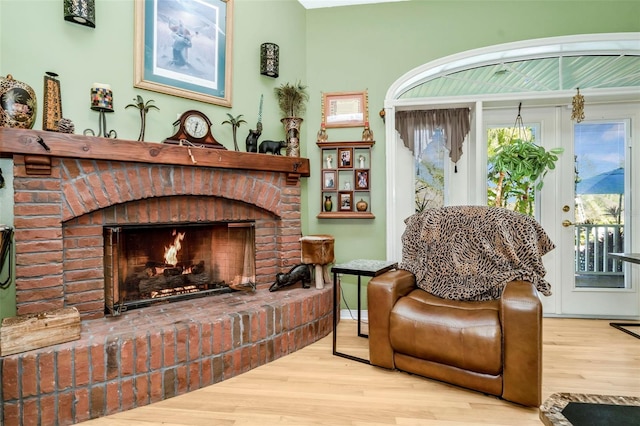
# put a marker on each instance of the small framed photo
(345, 198)
(362, 179)
(345, 157)
(345, 109)
(329, 179)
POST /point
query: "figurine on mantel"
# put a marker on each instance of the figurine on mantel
(251, 143)
(144, 108)
(235, 122)
(66, 126)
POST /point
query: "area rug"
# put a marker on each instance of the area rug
(575, 409)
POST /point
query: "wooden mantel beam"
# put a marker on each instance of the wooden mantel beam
(54, 144)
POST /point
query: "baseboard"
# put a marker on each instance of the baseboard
(353, 314)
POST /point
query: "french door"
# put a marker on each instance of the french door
(596, 209)
(586, 208)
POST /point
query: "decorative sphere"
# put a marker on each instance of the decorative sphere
(18, 105)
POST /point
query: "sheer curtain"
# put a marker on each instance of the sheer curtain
(416, 127)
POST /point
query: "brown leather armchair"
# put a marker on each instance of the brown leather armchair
(492, 346)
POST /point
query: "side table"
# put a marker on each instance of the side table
(359, 268)
(622, 326)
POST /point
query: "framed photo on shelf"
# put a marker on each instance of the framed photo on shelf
(345, 158)
(345, 200)
(345, 109)
(329, 179)
(362, 179)
(184, 48)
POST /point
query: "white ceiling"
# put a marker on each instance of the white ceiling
(315, 4)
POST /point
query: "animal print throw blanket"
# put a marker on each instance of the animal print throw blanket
(472, 252)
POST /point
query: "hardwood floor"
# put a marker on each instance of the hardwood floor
(313, 387)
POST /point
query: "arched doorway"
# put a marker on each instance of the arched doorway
(535, 73)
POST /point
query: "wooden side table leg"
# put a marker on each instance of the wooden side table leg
(325, 274)
(319, 278)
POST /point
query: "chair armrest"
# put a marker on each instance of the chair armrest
(383, 292)
(521, 317)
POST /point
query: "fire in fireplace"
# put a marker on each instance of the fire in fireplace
(167, 262)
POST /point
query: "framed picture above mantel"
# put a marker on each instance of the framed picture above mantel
(344, 109)
(184, 48)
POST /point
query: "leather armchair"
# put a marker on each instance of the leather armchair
(493, 346)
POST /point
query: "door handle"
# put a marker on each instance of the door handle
(567, 223)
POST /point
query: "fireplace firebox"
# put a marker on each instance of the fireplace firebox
(161, 263)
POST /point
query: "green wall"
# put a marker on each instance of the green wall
(334, 49)
(371, 46)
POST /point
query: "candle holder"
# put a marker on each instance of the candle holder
(101, 101)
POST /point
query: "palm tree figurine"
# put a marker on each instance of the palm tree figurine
(144, 108)
(235, 123)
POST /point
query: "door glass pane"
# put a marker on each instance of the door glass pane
(429, 170)
(599, 203)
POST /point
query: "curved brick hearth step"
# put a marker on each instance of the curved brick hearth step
(150, 354)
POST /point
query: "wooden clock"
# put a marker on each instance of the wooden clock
(195, 128)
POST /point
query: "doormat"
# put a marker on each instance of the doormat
(573, 409)
(582, 413)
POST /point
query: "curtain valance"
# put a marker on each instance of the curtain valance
(455, 123)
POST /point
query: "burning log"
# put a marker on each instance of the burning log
(161, 282)
(199, 279)
(198, 269)
(157, 277)
(171, 272)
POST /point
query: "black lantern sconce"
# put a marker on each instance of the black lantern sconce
(269, 59)
(81, 12)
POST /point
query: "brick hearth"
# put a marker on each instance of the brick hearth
(67, 193)
(150, 354)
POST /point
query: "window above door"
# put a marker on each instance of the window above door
(601, 61)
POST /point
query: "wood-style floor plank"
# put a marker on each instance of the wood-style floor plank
(313, 387)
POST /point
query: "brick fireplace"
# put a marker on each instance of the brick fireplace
(68, 189)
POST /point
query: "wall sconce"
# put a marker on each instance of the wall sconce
(269, 59)
(81, 12)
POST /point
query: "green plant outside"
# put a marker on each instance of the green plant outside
(516, 169)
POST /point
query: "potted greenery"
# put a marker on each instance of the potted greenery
(292, 100)
(518, 168)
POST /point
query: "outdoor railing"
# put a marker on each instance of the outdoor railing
(594, 244)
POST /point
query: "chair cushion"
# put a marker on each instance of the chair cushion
(461, 334)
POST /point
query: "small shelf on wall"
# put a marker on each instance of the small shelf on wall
(346, 215)
(345, 186)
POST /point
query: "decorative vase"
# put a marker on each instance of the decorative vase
(362, 205)
(17, 104)
(328, 204)
(292, 132)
